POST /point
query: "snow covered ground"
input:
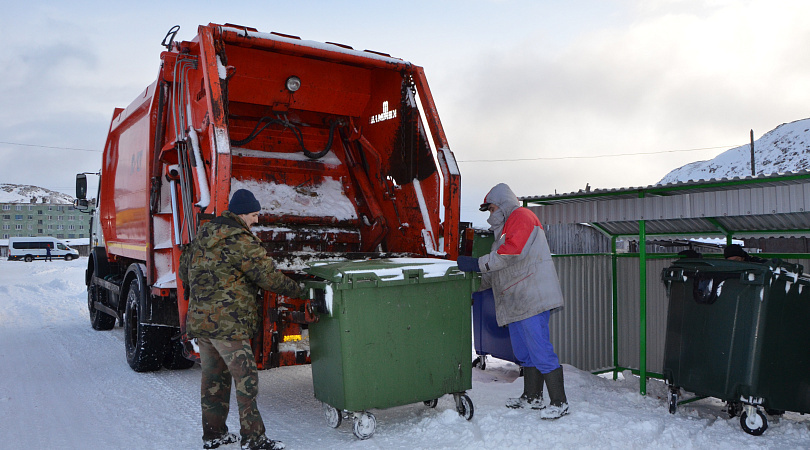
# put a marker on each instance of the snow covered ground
(66, 386)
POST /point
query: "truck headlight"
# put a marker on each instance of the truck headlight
(293, 83)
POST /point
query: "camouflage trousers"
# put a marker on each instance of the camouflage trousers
(222, 360)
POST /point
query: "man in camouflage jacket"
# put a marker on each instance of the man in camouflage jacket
(223, 269)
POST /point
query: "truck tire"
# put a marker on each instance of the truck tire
(98, 320)
(145, 344)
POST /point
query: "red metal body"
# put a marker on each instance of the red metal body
(220, 117)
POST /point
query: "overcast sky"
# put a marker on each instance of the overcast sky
(576, 80)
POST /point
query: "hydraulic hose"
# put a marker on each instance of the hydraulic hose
(266, 121)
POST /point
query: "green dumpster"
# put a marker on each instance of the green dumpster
(738, 331)
(390, 332)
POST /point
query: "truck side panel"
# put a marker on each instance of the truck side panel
(124, 212)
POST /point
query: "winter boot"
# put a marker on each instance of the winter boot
(558, 404)
(262, 443)
(225, 439)
(532, 391)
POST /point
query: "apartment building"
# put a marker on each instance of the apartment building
(61, 221)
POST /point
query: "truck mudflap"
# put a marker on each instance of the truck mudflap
(163, 311)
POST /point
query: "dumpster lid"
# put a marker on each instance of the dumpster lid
(724, 265)
(384, 269)
(776, 267)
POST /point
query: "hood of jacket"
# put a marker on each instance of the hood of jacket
(502, 196)
(506, 201)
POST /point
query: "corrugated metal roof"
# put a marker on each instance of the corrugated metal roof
(762, 206)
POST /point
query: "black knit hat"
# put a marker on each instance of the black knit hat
(243, 202)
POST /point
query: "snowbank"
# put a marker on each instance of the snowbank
(64, 385)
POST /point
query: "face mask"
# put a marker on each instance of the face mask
(496, 219)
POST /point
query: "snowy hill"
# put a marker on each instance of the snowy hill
(783, 149)
(24, 193)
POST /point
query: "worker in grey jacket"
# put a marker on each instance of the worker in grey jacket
(526, 288)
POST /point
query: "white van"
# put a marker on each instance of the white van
(31, 248)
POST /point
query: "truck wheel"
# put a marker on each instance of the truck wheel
(29, 258)
(174, 359)
(145, 344)
(98, 320)
(68, 257)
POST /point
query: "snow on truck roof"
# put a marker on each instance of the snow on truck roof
(332, 47)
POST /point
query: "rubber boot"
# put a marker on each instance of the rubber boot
(532, 391)
(558, 403)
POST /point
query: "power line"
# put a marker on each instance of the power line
(548, 158)
(48, 146)
(595, 156)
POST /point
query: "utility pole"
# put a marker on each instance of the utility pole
(753, 165)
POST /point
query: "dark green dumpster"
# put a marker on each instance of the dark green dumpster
(738, 331)
(390, 332)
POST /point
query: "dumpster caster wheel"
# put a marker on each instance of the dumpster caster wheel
(733, 409)
(673, 401)
(464, 406)
(333, 416)
(431, 403)
(755, 424)
(364, 425)
(480, 361)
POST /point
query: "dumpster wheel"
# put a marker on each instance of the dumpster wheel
(333, 416)
(431, 403)
(480, 361)
(364, 424)
(754, 424)
(464, 406)
(673, 399)
(734, 409)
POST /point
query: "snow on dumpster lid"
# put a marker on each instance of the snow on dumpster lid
(385, 269)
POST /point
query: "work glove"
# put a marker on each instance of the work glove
(468, 264)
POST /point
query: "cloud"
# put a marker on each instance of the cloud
(680, 75)
(511, 79)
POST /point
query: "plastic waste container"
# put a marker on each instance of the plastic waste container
(738, 331)
(390, 332)
(488, 337)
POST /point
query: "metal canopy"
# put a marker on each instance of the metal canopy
(761, 206)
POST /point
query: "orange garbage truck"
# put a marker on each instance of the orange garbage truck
(343, 148)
